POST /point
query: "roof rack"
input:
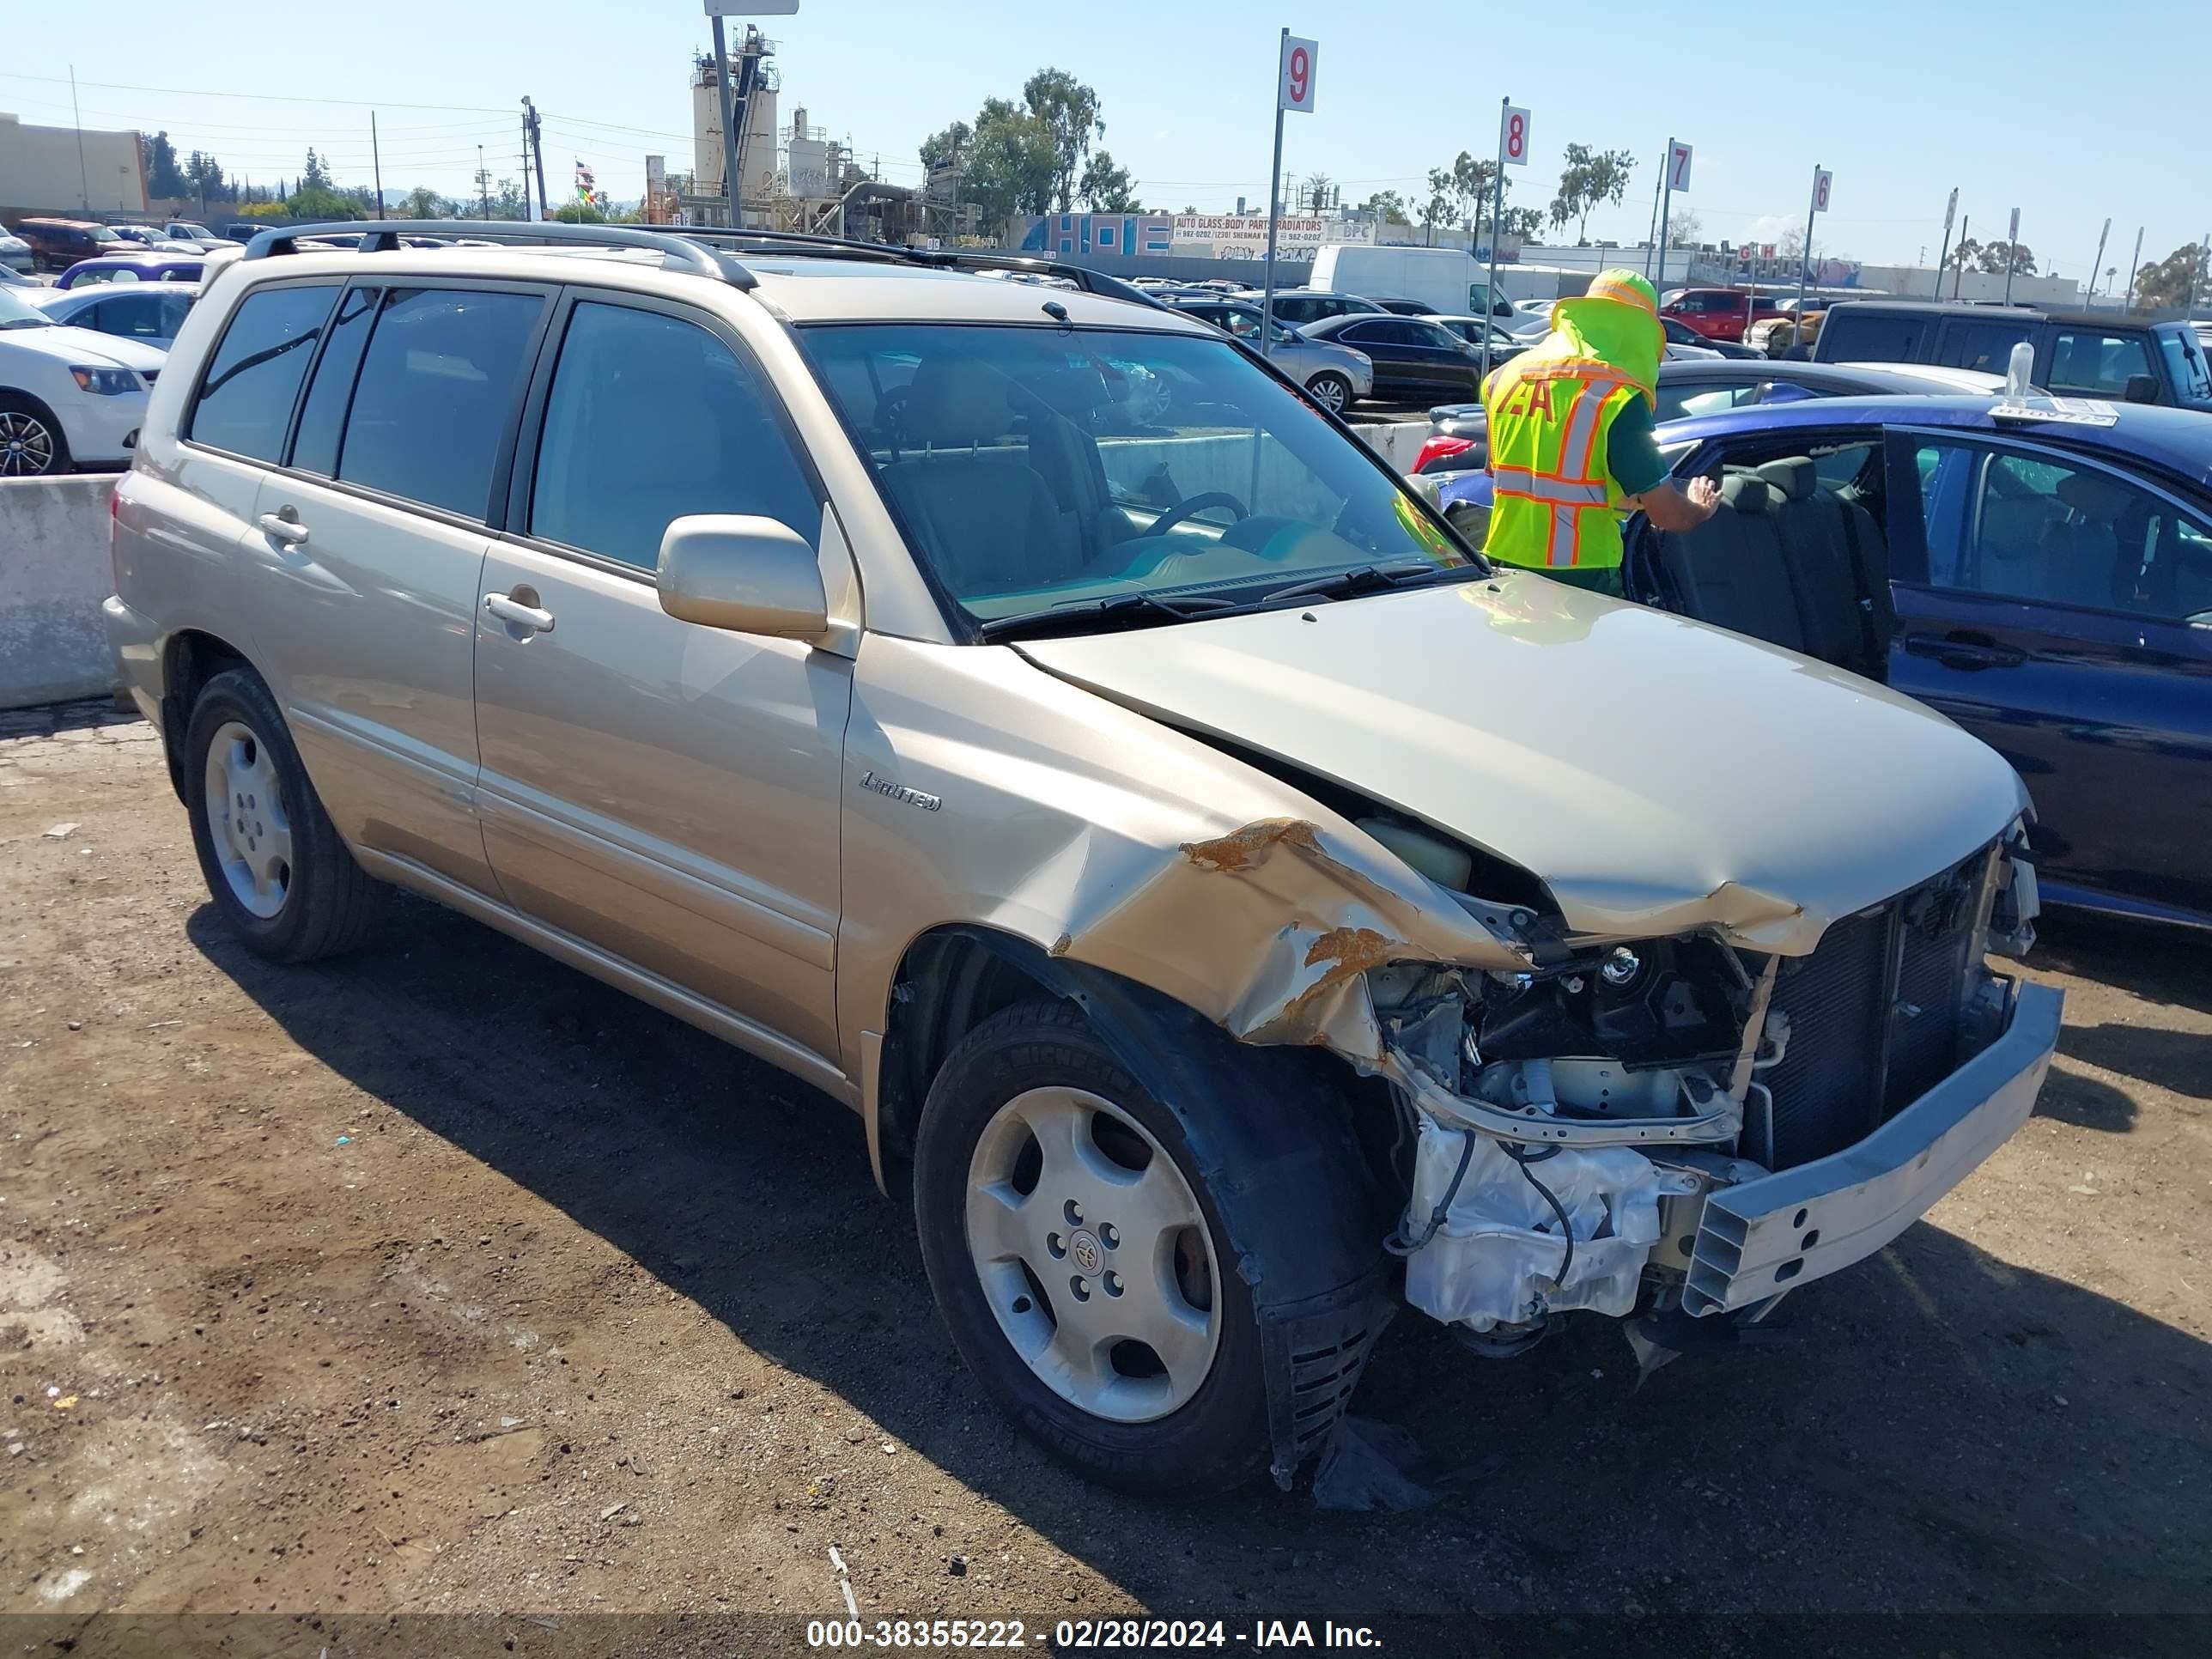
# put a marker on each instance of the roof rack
(805, 242)
(678, 252)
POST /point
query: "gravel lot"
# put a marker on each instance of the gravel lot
(443, 1278)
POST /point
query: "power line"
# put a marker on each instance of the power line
(265, 97)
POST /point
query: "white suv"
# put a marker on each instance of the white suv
(69, 397)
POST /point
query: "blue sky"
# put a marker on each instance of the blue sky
(2013, 102)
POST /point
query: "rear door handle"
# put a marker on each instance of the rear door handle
(280, 528)
(1967, 650)
(515, 614)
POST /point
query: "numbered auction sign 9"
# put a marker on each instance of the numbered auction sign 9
(1296, 91)
(1513, 138)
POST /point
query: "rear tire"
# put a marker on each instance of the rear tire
(1093, 1257)
(285, 882)
(32, 442)
(1332, 390)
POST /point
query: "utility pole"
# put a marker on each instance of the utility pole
(2135, 264)
(525, 161)
(376, 158)
(538, 150)
(484, 183)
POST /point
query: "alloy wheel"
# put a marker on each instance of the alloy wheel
(1094, 1254)
(27, 446)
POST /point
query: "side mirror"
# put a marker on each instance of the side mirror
(746, 574)
(2140, 389)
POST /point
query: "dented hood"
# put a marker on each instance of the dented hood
(1657, 774)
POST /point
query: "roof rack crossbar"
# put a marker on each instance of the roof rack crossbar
(678, 252)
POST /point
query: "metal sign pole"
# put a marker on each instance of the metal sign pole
(1497, 213)
(1959, 282)
(2135, 264)
(2012, 253)
(2097, 264)
(1805, 254)
(1943, 259)
(1275, 213)
(729, 131)
(2196, 270)
(1666, 212)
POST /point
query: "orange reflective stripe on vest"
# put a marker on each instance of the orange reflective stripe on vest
(1554, 504)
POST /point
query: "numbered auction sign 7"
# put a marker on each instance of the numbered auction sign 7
(1296, 91)
(1678, 168)
(1513, 138)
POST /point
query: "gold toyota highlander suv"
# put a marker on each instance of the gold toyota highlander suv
(1232, 907)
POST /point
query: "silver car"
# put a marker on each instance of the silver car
(1336, 375)
(1231, 906)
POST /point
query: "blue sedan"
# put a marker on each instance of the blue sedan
(2040, 571)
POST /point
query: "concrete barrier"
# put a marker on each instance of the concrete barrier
(53, 575)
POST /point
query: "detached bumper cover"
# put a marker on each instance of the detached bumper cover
(1783, 1231)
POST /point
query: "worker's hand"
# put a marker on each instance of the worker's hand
(1705, 495)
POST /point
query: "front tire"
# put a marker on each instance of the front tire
(285, 882)
(32, 445)
(1332, 390)
(1081, 1266)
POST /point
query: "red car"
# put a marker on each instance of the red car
(1719, 313)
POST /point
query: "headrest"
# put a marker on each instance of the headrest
(1795, 477)
(958, 400)
(1747, 492)
(2095, 496)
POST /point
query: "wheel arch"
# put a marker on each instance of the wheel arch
(44, 411)
(1319, 1277)
(191, 657)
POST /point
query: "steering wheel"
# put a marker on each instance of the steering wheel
(1191, 505)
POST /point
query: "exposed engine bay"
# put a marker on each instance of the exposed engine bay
(1569, 1122)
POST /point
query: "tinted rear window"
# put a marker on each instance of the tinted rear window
(1986, 347)
(437, 388)
(1852, 336)
(246, 399)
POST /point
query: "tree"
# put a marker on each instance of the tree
(1590, 177)
(1069, 112)
(204, 176)
(317, 176)
(578, 213)
(423, 202)
(948, 148)
(1442, 192)
(1013, 164)
(1527, 224)
(1106, 188)
(325, 202)
(1387, 205)
(1994, 257)
(2166, 285)
(165, 179)
(1963, 256)
(1684, 228)
(509, 200)
(1319, 190)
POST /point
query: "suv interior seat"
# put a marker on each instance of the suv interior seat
(991, 504)
(1817, 547)
(1731, 572)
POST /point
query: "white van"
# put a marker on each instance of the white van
(1449, 280)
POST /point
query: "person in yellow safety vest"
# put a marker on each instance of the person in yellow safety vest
(1570, 444)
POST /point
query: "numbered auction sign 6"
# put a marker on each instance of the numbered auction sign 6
(1513, 138)
(1297, 91)
(1820, 178)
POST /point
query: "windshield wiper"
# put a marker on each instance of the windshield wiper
(1121, 610)
(1363, 579)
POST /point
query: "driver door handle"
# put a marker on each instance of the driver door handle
(1965, 650)
(515, 614)
(284, 527)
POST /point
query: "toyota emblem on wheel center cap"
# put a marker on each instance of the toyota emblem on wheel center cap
(1085, 1249)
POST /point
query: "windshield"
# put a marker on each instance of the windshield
(102, 233)
(201, 231)
(15, 313)
(2184, 361)
(1038, 468)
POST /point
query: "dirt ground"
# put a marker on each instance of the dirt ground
(443, 1278)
